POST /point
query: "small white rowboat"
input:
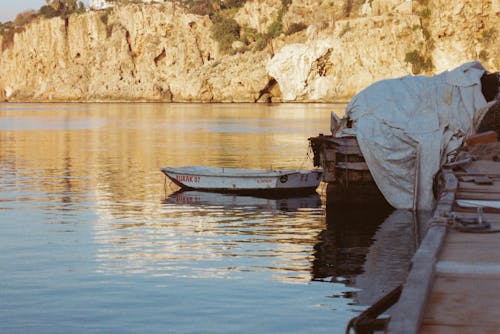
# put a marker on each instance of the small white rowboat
(243, 180)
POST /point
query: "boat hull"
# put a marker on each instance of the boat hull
(243, 180)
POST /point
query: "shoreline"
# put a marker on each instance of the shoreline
(164, 102)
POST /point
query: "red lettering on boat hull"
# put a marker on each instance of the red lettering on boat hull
(187, 178)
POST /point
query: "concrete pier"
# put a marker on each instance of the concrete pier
(454, 282)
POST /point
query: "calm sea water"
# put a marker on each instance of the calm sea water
(93, 240)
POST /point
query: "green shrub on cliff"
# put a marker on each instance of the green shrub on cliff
(225, 31)
(419, 63)
(200, 8)
(276, 28)
(24, 18)
(425, 13)
(209, 7)
(47, 11)
(488, 36)
(483, 55)
(233, 3)
(261, 42)
(63, 8)
(286, 3)
(104, 15)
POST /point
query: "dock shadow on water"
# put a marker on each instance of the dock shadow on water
(368, 248)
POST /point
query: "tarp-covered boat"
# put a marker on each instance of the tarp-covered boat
(407, 128)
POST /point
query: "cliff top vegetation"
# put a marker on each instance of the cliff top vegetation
(227, 31)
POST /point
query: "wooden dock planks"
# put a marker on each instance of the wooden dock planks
(465, 294)
(460, 293)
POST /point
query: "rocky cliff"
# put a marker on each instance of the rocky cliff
(326, 51)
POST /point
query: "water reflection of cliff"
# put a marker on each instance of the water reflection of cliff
(102, 161)
(120, 147)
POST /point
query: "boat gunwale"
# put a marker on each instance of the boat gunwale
(259, 173)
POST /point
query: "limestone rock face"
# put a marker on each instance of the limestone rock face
(161, 52)
(302, 68)
(258, 14)
(332, 67)
(337, 62)
(320, 13)
(465, 30)
(141, 53)
(495, 7)
(379, 7)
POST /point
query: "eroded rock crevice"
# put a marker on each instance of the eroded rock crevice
(270, 92)
(322, 66)
(160, 57)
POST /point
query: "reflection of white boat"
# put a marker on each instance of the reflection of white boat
(243, 180)
(203, 198)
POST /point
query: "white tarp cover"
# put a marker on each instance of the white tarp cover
(406, 127)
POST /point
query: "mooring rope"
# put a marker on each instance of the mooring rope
(368, 321)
